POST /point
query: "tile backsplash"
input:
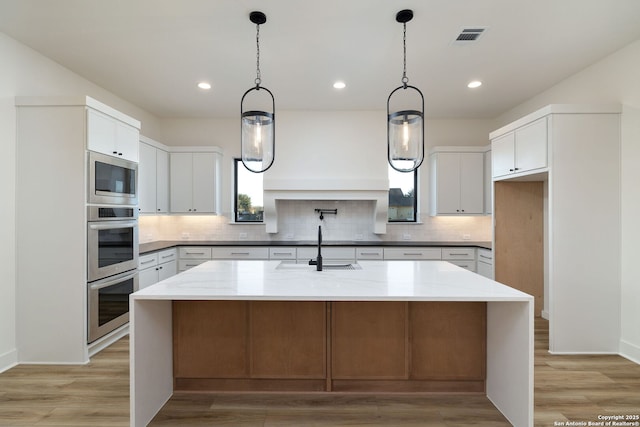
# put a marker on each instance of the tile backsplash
(297, 220)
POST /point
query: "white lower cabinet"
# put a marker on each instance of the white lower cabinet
(462, 257)
(485, 263)
(240, 252)
(363, 254)
(283, 253)
(329, 254)
(412, 254)
(156, 266)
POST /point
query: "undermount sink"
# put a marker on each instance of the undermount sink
(284, 265)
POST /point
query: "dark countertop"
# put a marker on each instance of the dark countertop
(166, 244)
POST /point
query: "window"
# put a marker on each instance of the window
(403, 187)
(247, 194)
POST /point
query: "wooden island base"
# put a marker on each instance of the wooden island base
(339, 346)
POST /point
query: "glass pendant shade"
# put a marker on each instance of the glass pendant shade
(258, 136)
(405, 134)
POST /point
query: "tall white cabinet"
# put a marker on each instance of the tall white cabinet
(153, 172)
(576, 158)
(51, 292)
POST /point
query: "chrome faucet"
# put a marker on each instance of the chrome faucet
(318, 261)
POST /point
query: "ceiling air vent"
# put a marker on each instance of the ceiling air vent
(469, 35)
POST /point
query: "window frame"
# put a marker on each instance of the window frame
(237, 163)
(415, 201)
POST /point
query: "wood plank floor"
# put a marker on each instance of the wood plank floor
(567, 388)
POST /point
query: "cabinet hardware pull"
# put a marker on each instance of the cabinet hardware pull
(167, 256)
(115, 152)
(485, 257)
(412, 253)
(239, 253)
(455, 254)
(510, 170)
(283, 253)
(194, 253)
(369, 253)
(146, 262)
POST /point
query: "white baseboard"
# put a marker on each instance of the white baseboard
(544, 314)
(630, 351)
(8, 360)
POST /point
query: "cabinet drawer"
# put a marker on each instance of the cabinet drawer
(239, 252)
(167, 255)
(412, 253)
(194, 252)
(466, 264)
(328, 253)
(282, 253)
(485, 269)
(369, 253)
(185, 264)
(485, 255)
(458, 253)
(147, 260)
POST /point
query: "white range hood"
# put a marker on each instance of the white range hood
(373, 190)
(329, 155)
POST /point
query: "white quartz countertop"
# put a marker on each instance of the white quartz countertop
(374, 281)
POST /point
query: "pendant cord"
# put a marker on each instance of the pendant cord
(258, 80)
(405, 79)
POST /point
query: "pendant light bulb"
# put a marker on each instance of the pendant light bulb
(257, 141)
(405, 126)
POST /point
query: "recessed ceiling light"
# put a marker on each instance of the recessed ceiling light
(339, 85)
(204, 85)
(474, 84)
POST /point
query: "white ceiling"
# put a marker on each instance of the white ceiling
(153, 52)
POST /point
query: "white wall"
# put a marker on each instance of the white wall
(614, 79)
(25, 72)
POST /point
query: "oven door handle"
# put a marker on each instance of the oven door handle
(112, 225)
(110, 281)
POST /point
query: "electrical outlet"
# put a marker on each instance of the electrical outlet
(288, 236)
(242, 236)
(185, 236)
(406, 236)
(466, 237)
(359, 236)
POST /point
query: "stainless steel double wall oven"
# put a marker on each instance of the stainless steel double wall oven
(112, 242)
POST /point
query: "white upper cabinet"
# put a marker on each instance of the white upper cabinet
(153, 181)
(521, 151)
(108, 135)
(457, 183)
(194, 182)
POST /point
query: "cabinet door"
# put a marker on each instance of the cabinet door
(488, 184)
(369, 340)
(503, 154)
(167, 270)
(457, 330)
(147, 173)
(162, 181)
(181, 191)
(147, 277)
(204, 182)
(127, 141)
(101, 133)
(448, 183)
(288, 339)
(471, 183)
(531, 146)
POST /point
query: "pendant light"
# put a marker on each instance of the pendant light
(405, 126)
(257, 124)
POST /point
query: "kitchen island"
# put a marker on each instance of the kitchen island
(386, 326)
